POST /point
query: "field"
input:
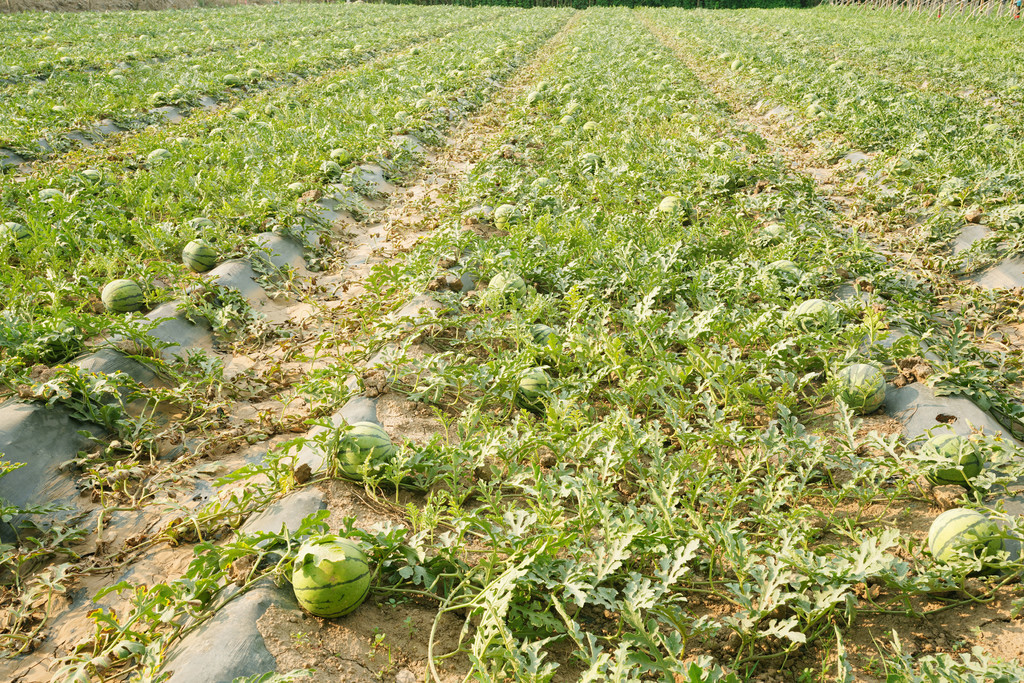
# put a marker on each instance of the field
(615, 283)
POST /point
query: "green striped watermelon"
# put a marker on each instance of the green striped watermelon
(963, 529)
(787, 272)
(543, 335)
(534, 383)
(14, 231)
(199, 255)
(862, 387)
(504, 289)
(364, 445)
(330, 576)
(505, 215)
(158, 156)
(670, 204)
(814, 314)
(122, 296)
(960, 452)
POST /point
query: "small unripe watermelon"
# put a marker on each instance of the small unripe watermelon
(814, 314)
(671, 204)
(862, 387)
(590, 127)
(590, 160)
(505, 214)
(504, 289)
(366, 443)
(958, 451)
(330, 576)
(541, 334)
(232, 80)
(158, 156)
(331, 168)
(963, 529)
(530, 392)
(786, 271)
(14, 231)
(199, 255)
(122, 296)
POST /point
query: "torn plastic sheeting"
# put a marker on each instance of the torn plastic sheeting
(41, 438)
(9, 157)
(281, 252)
(179, 332)
(970, 234)
(229, 645)
(287, 513)
(409, 143)
(1007, 274)
(373, 175)
(238, 274)
(108, 127)
(110, 361)
(170, 113)
(920, 410)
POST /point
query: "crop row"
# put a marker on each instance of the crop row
(673, 465)
(934, 154)
(94, 39)
(128, 209)
(915, 51)
(31, 110)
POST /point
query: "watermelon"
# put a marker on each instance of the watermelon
(772, 234)
(199, 255)
(590, 161)
(122, 296)
(590, 127)
(340, 155)
(330, 576)
(92, 175)
(966, 530)
(567, 120)
(815, 110)
(862, 387)
(533, 97)
(541, 184)
(200, 223)
(50, 194)
(532, 386)
(253, 74)
(814, 314)
(736, 65)
(14, 231)
(331, 168)
(962, 454)
(787, 272)
(543, 335)
(232, 80)
(573, 108)
(505, 214)
(670, 204)
(366, 444)
(505, 289)
(158, 156)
